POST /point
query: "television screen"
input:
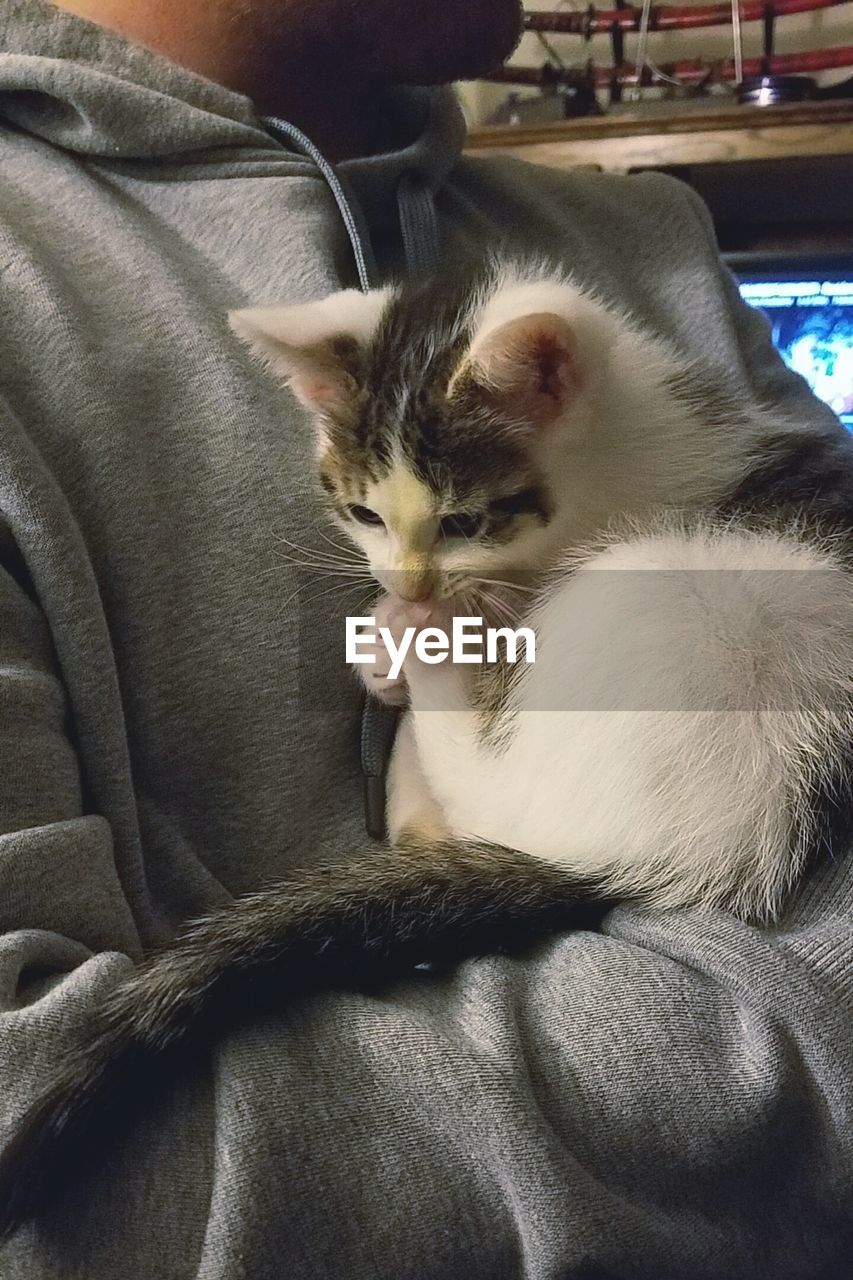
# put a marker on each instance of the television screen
(810, 309)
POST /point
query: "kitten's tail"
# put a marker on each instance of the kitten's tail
(341, 926)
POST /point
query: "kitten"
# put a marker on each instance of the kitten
(510, 443)
(693, 690)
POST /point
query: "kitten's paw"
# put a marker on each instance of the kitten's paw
(420, 615)
(393, 691)
(376, 676)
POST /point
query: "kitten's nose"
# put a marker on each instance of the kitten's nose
(414, 585)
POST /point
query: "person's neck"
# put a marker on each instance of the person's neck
(341, 116)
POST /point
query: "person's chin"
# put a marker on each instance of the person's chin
(480, 35)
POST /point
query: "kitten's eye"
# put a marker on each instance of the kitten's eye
(463, 524)
(365, 516)
(526, 502)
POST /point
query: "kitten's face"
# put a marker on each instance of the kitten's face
(426, 541)
(433, 498)
(437, 418)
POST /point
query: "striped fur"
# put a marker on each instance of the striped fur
(343, 926)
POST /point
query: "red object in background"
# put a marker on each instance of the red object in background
(665, 17)
(688, 71)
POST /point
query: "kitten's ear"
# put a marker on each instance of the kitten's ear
(536, 349)
(527, 371)
(316, 347)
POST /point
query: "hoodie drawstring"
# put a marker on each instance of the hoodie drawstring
(418, 224)
(421, 244)
(348, 206)
(415, 205)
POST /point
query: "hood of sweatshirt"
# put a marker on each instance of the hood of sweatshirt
(91, 92)
(173, 143)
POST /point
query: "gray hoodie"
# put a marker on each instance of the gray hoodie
(668, 1097)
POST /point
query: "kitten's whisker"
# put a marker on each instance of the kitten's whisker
(479, 602)
(366, 601)
(323, 559)
(320, 571)
(512, 586)
(318, 595)
(510, 617)
(314, 570)
(318, 566)
(500, 609)
(320, 563)
(349, 556)
(347, 548)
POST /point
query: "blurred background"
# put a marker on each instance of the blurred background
(751, 104)
(828, 28)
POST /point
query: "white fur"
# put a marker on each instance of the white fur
(613, 760)
(595, 327)
(413, 812)
(629, 444)
(280, 333)
(296, 343)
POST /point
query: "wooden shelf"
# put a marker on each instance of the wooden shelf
(639, 140)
